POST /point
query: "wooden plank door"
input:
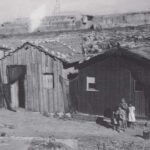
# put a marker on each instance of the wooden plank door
(14, 88)
(140, 104)
(139, 98)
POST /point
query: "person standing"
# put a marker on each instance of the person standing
(114, 119)
(123, 105)
(122, 119)
(118, 118)
(131, 116)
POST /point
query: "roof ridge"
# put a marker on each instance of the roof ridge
(37, 47)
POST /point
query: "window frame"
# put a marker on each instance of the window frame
(46, 86)
(88, 89)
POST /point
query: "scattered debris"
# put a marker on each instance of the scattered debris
(60, 115)
(147, 124)
(2, 134)
(68, 115)
(46, 114)
(146, 134)
(54, 144)
(9, 126)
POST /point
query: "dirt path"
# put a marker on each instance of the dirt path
(32, 124)
(13, 144)
(89, 135)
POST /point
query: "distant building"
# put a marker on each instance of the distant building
(68, 22)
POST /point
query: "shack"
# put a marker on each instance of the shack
(103, 80)
(33, 77)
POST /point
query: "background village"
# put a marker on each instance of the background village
(61, 77)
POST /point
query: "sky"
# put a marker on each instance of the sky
(10, 9)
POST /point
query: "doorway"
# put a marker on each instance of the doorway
(139, 99)
(16, 77)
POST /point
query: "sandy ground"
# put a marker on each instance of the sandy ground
(22, 128)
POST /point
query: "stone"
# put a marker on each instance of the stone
(2, 134)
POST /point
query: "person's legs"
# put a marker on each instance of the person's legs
(117, 128)
(123, 125)
(119, 125)
(126, 123)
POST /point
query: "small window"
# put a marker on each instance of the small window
(48, 79)
(90, 84)
(138, 86)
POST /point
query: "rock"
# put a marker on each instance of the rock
(46, 114)
(70, 143)
(68, 115)
(11, 126)
(147, 124)
(146, 134)
(52, 115)
(60, 114)
(3, 134)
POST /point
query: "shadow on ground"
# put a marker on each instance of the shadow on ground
(102, 122)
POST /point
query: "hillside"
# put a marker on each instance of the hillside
(75, 33)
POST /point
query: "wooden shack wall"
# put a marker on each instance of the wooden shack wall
(115, 78)
(112, 83)
(38, 98)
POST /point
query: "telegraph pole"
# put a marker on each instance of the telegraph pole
(57, 8)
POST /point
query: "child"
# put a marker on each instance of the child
(131, 116)
(114, 120)
(124, 106)
(121, 119)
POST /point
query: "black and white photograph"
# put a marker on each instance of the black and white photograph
(74, 74)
